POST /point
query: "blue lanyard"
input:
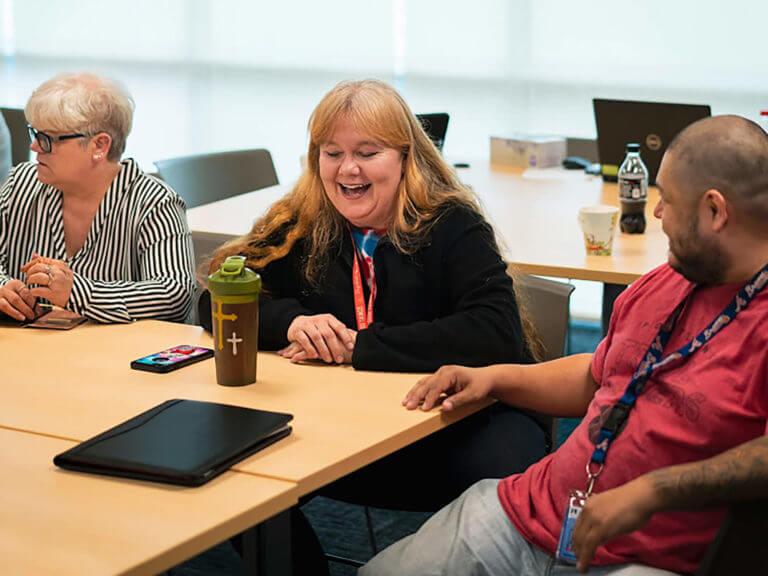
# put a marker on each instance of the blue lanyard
(653, 361)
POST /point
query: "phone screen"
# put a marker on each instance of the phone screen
(173, 356)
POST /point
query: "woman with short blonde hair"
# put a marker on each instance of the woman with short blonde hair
(83, 229)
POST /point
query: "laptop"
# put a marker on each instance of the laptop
(435, 125)
(653, 125)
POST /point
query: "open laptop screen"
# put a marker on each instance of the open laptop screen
(653, 125)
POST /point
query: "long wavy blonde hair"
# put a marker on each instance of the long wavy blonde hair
(428, 183)
(427, 186)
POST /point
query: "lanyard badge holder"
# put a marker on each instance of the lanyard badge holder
(619, 412)
(576, 501)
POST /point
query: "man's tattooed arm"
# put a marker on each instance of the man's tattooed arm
(737, 474)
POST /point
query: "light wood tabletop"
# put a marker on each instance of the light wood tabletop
(78, 383)
(58, 522)
(534, 213)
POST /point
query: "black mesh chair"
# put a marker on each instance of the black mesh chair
(205, 178)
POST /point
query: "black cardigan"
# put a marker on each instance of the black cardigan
(451, 302)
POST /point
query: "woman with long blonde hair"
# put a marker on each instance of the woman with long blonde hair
(387, 183)
(380, 257)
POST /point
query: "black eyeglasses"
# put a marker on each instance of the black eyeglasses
(45, 141)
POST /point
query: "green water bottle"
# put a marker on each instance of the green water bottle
(235, 316)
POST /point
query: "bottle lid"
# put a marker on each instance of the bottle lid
(233, 278)
(633, 147)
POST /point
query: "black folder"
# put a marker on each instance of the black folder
(178, 442)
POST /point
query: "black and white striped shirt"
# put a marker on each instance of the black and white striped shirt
(137, 258)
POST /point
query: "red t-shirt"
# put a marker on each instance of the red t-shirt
(714, 401)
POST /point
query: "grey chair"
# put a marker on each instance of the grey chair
(17, 126)
(204, 244)
(547, 302)
(205, 178)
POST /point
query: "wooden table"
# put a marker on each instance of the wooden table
(534, 213)
(58, 522)
(59, 387)
(76, 384)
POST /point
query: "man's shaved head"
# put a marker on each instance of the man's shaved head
(729, 154)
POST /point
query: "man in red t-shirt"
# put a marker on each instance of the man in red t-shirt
(694, 440)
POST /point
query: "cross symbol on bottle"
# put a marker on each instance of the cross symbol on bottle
(221, 317)
(234, 340)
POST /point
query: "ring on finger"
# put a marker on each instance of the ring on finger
(49, 271)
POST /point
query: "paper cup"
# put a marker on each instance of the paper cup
(598, 223)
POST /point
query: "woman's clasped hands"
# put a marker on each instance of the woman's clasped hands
(53, 279)
(319, 337)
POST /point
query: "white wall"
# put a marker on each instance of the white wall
(225, 74)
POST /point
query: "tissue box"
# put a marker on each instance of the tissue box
(526, 151)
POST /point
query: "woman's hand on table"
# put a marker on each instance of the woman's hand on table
(321, 336)
(53, 278)
(460, 384)
(17, 300)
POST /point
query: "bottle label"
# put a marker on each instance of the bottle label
(633, 188)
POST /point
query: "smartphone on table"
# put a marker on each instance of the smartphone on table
(172, 359)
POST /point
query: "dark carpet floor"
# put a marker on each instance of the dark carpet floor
(342, 528)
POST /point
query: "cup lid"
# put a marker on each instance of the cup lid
(598, 209)
(234, 278)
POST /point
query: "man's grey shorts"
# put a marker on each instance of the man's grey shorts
(473, 536)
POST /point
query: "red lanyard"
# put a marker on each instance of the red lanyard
(364, 318)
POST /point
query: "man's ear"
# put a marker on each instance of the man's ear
(715, 209)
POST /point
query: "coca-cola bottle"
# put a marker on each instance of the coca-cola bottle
(633, 191)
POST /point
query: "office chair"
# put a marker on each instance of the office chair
(203, 244)
(17, 126)
(547, 303)
(205, 178)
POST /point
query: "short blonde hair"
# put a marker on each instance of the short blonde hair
(83, 103)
